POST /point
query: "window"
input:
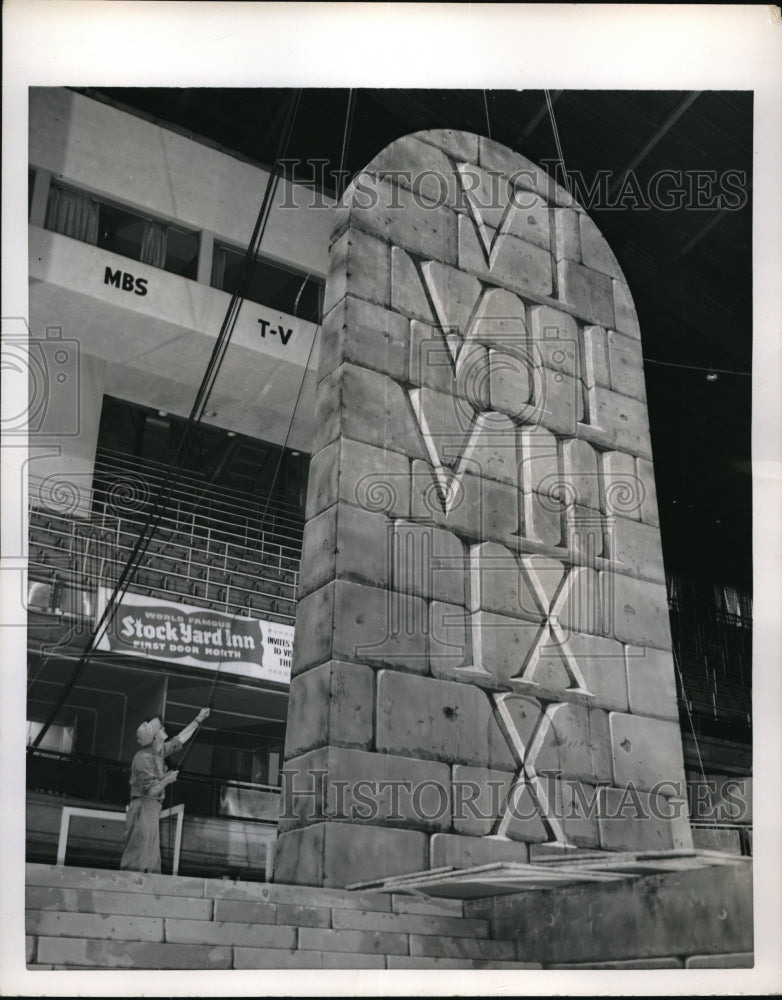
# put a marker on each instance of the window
(269, 284)
(122, 231)
(58, 737)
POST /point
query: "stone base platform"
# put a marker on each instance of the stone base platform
(89, 918)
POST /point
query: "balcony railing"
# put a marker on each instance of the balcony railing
(213, 547)
(106, 782)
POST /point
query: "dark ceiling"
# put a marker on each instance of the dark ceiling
(688, 264)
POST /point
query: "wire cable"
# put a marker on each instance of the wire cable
(550, 106)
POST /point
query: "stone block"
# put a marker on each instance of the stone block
(588, 292)
(446, 423)
(595, 251)
(580, 604)
(567, 235)
(351, 960)
(422, 168)
(623, 419)
(630, 963)
(478, 798)
(498, 584)
(627, 366)
(294, 915)
(276, 958)
(510, 387)
(635, 611)
(375, 626)
(572, 740)
(365, 334)
(337, 854)
(449, 648)
(522, 172)
(382, 789)
(359, 266)
(602, 663)
(330, 705)
(451, 850)
(500, 321)
(580, 465)
(407, 289)
(374, 409)
(559, 401)
(29, 949)
(438, 720)
(137, 904)
(588, 533)
(472, 376)
(543, 518)
(422, 904)
(414, 923)
(431, 363)
(481, 508)
(295, 895)
(459, 145)
(554, 338)
(577, 804)
(391, 214)
(373, 479)
(51, 923)
(99, 954)
(732, 960)
(312, 641)
(633, 820)
(428, 562)
(595, 369)
(539, 463)
(626, 317)
(323, 481)
(487, 193)
(707, 911)
(356, 941)
(429, 962)
(646, 753)
(636, 548)
(452, 947)
(511, 262)
(645, 471)
(241, 911)
(498, 205)
(491, 449)
(501, 645)
(454, 296)
(327, 410)
(623, 488)
(230, 933)
(528, 218)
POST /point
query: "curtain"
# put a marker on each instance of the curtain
(72, 214)
(154, 243)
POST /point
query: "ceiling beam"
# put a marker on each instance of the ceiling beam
(655, 137)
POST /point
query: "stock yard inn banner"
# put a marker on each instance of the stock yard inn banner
(197, 637)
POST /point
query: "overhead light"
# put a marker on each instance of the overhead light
(711, 376)
(162, 413)
(210, 413)
(231, 434)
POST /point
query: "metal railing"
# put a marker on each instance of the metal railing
(213, 548)
(99, 780)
